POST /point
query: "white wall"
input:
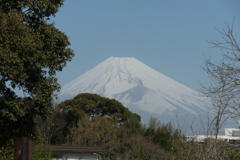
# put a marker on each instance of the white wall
(78, 156)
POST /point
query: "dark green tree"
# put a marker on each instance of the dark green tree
(31, 52)
(94, 105)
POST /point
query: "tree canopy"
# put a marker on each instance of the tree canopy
(32, 50)
(95, 105)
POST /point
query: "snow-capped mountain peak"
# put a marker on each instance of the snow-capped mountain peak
(140, 88)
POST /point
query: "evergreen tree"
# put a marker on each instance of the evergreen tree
(31, 51)
(94, 105)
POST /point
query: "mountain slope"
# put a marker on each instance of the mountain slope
(140, 88)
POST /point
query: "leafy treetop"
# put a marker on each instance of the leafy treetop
(95, 105)
(31, 52)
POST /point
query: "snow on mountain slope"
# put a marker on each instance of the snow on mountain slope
(138, 87)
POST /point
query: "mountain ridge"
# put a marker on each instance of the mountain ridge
(138, 87)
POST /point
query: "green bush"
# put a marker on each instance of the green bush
(42, 152)
(6, 153)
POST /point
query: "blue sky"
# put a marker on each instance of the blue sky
(169, 36)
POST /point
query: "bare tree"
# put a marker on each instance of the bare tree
(225, 78)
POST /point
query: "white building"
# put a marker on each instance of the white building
(232, 135)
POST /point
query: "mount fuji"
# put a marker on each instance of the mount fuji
(142, 89)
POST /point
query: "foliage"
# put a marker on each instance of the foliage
(101, 131)
(41, 152)
(94, 105)
(51, 129)
(92, 120)
(163, 134)
(6, 153)
(211, 149)
(119, 145)
(31, 52)
(38, 152)
(137, 146)
(133, 141)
